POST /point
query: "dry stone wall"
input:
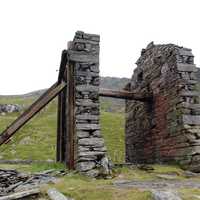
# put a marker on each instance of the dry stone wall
(90, 151)
(167, 128)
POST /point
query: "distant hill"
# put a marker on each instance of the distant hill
(113, 82)
(106, 82)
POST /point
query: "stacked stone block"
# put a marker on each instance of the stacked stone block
(90, 151)
(165, 129)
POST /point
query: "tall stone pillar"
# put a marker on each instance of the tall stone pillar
(83, 110)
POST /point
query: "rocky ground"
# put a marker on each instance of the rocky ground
(131, 182)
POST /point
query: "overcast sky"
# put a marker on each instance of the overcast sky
(34, 32)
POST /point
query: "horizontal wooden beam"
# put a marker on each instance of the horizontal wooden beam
(123, 94)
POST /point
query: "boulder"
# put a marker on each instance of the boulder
(165, 195)
(9, 108)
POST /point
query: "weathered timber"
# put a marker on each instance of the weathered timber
(63, 64)
(61, 128)
(19, 195)
(31, 111)
(123, 94)
(70, 127)
(61, 113)
(56, 195)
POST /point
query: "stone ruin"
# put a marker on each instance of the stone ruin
(165, 129)
(162, 123)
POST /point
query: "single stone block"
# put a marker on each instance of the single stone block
(87, 126)
(90, 153)
(100, 149)
(80, 57)
(87, 117)
(85, 41)
(190, 93)
(97, 133)
(86, 102)
(185, 52)
(165, 195)
(84, 88)
(94, 68)
(96, 142)
(187, 67)
(81, 148)
(196, 158)
(82, 134)
(191, 119)
(195, 167)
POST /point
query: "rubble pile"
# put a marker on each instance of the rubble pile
(13, 181)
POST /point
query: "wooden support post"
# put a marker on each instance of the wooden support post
(70, 117)
(61, 127)
(61, 112)
(59, 130)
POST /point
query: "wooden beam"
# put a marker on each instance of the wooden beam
(123, 94)
(63, 64)
(70, 126)
(59, 128)
(31, 111)
(61, 114)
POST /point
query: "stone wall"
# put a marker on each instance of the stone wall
(90, 151)
(167, 128)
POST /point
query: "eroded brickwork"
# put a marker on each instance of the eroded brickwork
(167, 128)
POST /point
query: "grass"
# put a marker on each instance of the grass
(190, 194)
(81, 188)
(37, 139)
(112, 125)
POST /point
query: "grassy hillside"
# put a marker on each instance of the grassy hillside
(36, 140)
